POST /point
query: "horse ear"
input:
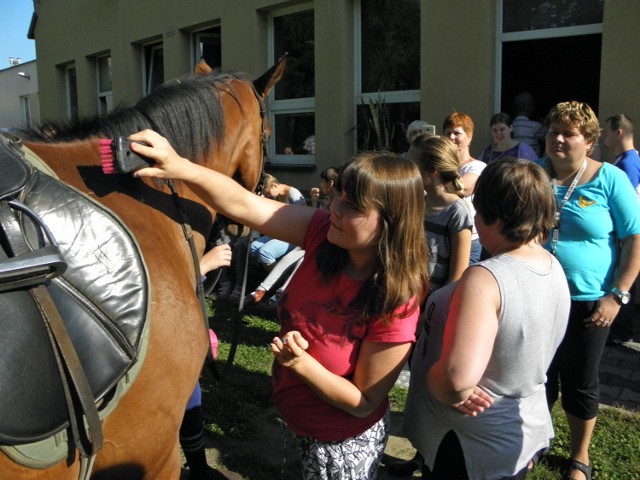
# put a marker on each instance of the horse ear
(267, 81)
(202, 68)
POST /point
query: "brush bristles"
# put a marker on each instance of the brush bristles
(107, 159)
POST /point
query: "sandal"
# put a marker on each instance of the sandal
(577, 465)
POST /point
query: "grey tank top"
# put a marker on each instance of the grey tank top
(532, 321)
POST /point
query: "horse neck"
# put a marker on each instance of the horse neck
(240, 154)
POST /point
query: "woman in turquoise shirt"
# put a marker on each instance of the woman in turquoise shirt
(597, 241)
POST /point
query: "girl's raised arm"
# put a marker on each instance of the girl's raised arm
(272, 218)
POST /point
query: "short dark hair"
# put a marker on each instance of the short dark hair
(622, 122)
(500, 117)
(516, 192)
(329, 174)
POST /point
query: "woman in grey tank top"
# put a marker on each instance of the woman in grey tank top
(476, 407)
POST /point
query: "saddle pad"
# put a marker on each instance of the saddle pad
(102, 298)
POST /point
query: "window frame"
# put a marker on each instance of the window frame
(390, 96)
(539, 34)
(71, 91)
(306, 105)
(196, 35)
(105, 97)
(149, 53)
(25, 102)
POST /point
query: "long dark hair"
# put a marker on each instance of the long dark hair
(393, 187)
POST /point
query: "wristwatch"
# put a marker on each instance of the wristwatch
(621, 296)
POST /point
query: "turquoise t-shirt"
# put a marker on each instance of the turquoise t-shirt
(598, 215)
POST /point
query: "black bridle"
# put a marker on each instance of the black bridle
(188, 234)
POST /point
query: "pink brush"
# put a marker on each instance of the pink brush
(116, 156)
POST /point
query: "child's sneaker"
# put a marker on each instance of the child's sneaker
(254, 297)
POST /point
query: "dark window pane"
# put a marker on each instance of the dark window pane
(210, 47)
(521, 15)
(104, 74)
(73, 93)
(390, 45)
(154, 64)
(294, 131)
(294, 34)
(382, 126)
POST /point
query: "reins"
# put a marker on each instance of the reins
(199, 284)
(237, 318)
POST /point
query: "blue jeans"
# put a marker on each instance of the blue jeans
(476, 250)
(267, 250)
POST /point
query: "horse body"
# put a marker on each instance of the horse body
(141, 434)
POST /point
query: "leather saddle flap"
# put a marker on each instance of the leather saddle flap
(102, 298)
(14, 171)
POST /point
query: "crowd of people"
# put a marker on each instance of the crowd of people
(497, 279)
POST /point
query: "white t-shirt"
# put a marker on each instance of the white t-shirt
(474, 166)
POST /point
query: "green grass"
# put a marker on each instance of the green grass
(235, 408)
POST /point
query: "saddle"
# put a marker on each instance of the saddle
(62, 255)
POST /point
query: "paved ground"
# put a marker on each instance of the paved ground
(620, 376)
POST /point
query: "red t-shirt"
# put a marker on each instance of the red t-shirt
(320, 312)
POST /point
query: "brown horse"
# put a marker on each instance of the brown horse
(216, 119)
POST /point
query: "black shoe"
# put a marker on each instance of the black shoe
(404, 469)
(616, 342)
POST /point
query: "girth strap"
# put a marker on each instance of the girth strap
(79, 397)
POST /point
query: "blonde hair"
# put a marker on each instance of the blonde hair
(269, 181)
(576, 114)
(437, 153)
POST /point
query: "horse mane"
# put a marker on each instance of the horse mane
(186, 111)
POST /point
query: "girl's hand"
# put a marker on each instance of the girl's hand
(476, 403)
(169, 165)
(289, 349)
(215, 258)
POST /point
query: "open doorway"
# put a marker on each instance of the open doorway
(553, 70)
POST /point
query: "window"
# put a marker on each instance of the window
(522, 15)
(71, 88)
(292, 107)
(153, 67)
(532, 35)
(105, 96)
(387, 72)
(25, 102)
(207, 45)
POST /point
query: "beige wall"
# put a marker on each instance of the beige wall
(458, 58)
(620, 68)
(458, 64)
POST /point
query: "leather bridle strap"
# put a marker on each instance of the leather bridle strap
(188, 235)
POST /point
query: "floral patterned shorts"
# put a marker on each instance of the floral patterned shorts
(356, 458)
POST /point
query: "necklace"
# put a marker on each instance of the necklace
(556, 230)
(502, 152)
